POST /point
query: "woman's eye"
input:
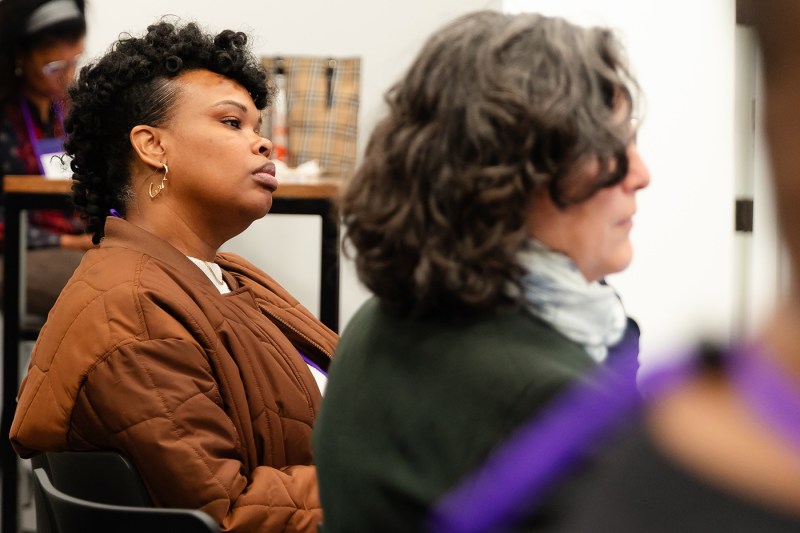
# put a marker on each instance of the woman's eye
(233, 122)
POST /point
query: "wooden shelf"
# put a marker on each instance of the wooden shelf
(319, 188)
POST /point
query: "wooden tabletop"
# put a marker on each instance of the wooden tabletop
(318, 188)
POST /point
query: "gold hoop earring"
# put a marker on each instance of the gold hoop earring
(155, 191)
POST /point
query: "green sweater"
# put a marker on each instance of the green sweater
(412, 406)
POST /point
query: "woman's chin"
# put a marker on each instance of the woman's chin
(614, 265)
(261, 210)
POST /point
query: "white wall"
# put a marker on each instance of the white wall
(681, 283)
(765, 261)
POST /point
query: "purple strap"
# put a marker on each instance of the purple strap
(52, 144)
(518, 475)
(767, 392)
(309, 362)
(514, 479)
(26, 114)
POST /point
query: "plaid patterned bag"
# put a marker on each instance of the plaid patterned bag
(322, 98)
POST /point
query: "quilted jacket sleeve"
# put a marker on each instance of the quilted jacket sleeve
(158, 401)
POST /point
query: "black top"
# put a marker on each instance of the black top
(618, 479)
(634, 487)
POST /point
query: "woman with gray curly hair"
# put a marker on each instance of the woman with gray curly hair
(491, 203)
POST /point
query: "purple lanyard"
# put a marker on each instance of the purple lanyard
(514, 479)
(517, 476)
(54, 144)
(309, 362)
(762, 384)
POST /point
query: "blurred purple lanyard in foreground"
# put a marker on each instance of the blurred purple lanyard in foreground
(516, 478)
(767, 391)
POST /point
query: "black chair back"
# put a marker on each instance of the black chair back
(99, 476)
(75, 515)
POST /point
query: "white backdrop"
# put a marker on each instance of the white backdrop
(682, 282)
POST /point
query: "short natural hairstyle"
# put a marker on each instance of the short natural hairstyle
(133, 84)
(494, 107)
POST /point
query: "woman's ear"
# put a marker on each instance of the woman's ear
(146, 141)
(541, 212)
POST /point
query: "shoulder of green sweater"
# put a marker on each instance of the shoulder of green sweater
(373, 313)
(516, 331)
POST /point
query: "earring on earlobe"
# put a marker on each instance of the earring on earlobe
(18, 71)
(155, 191)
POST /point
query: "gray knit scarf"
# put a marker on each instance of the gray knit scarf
(589, 313)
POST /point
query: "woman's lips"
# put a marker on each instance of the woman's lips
(265, 175)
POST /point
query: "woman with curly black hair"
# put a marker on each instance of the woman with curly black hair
(490, 204)
(195, 364)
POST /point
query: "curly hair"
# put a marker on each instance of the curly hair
(14, 15)
(494, 107)
(132, 85)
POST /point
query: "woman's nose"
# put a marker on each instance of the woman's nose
(638, 174)
(264, 146)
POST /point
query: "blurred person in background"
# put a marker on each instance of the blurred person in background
(41, 42)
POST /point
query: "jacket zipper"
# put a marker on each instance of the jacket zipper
(311, 409)
(299, 334)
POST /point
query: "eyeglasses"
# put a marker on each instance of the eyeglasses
(635, 123)
(55, 68)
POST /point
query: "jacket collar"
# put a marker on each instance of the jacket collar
(122, 234)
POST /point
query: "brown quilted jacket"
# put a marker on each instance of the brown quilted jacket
(206, 393)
